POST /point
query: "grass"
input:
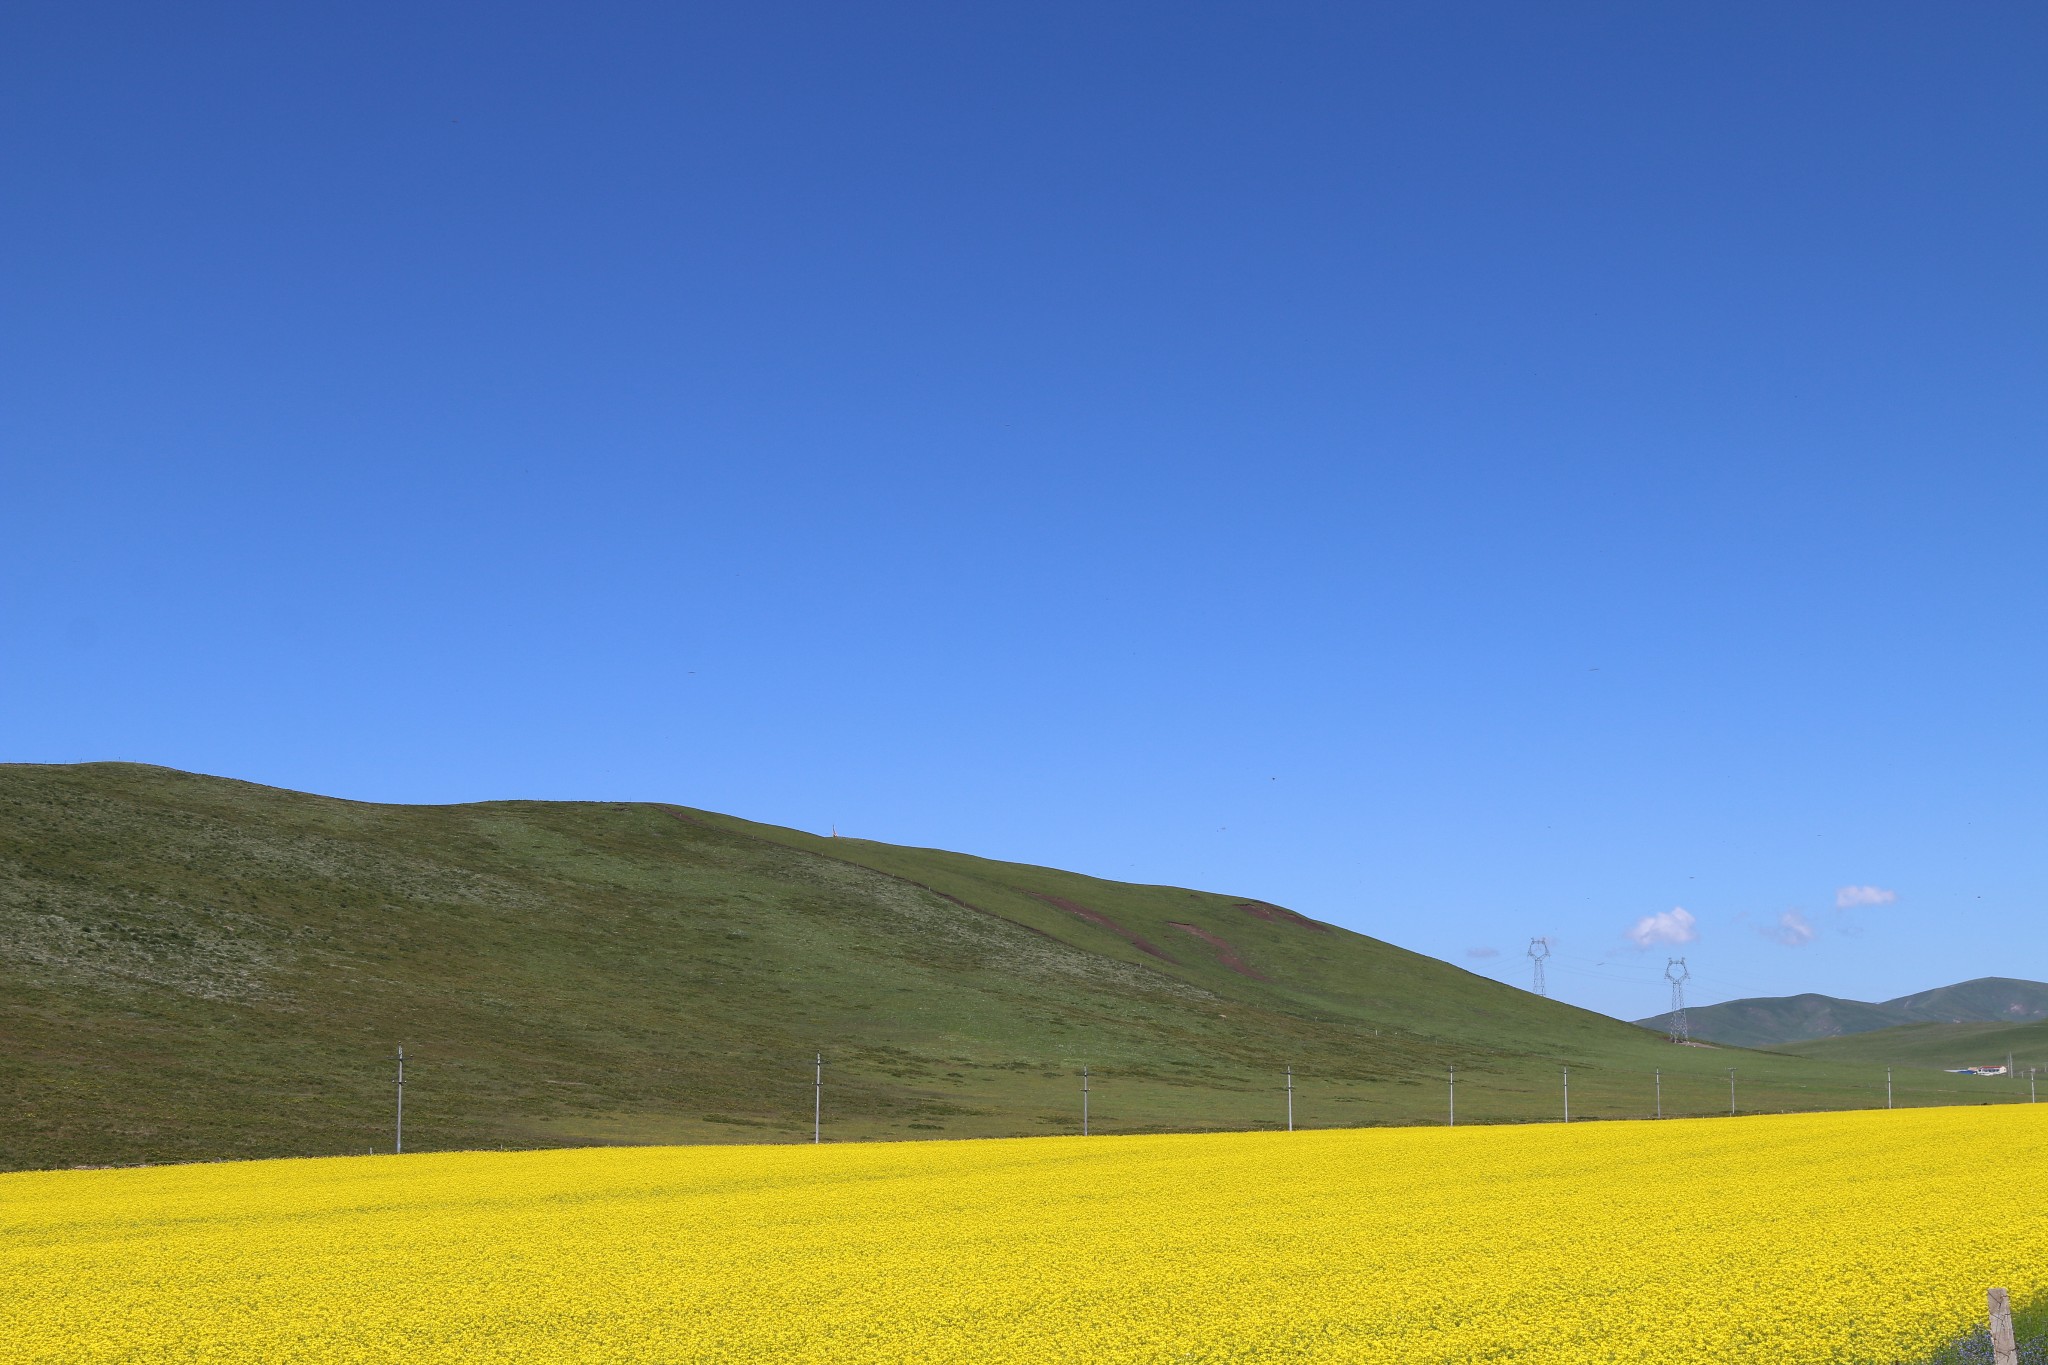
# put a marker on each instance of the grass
(1933, 1047)
(195, 968)
(2030, 1334)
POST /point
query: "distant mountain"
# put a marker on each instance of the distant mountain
(1773, 1021)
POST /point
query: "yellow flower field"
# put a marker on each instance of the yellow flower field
(1809, 1238)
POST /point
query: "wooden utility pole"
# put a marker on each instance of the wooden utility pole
(1567, 1094)
(398, 1138)
(1454, 1097)
(1290, 1099)
(818, 1102)
(2003, 1351)
(1660, 1092)
(1084, 1101)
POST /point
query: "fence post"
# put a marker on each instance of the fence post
(2003, 1352)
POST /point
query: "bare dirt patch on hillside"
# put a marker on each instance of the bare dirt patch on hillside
(1225, 954)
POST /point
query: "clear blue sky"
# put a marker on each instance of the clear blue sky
(1463, 471)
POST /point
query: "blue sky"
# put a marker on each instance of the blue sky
(1466, 472)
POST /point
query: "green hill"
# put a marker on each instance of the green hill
(192, 967)
(1939, 1046)
(1773, 1021)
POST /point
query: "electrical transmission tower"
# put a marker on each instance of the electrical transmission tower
(1539, 948)
(1675, 972)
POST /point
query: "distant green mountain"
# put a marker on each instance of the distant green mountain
(197, 968)
(1772, 1021)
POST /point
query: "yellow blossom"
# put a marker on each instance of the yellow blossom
(1861, 1237)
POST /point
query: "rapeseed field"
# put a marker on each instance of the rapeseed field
(1813, 1238)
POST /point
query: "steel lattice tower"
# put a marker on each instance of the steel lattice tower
(1675, 972)
(1539, 948)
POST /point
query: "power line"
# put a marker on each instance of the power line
(1623, 971)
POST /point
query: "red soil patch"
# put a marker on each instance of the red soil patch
(1225, 954)
(1097, 917)
(1274, 914)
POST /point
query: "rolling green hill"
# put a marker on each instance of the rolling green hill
(192, 967)
(1773, 1021)
(1937, 1046)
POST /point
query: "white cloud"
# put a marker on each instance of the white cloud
(1849, 897)
(1675, 925)
(1482, 953)
(1791, 929)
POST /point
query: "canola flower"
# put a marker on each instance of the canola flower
(1812, 1238)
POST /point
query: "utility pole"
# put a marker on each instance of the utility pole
(1454, 1097)
(1084, 1101)
(398, 1140)
(818, 1102)
(1290, 1099)
(1887, 1087)
(1660, 1092)
(1731, 1092)
(1676, 972)
(1539, 948)
(1567, 1094)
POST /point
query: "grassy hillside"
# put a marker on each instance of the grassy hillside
(1935, 1046)
(192, 967)
(1772, 1021)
